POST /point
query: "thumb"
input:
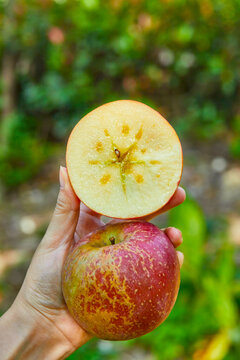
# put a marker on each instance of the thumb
(64, 220)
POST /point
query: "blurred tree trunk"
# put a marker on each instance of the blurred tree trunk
(9, 60)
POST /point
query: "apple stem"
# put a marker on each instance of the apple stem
(112, 240)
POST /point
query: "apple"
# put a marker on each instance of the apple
(124, 160)
(121, 281)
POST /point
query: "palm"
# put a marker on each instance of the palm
(43, 287)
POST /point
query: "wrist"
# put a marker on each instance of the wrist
(30, 335)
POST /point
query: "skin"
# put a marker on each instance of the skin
(38, 325)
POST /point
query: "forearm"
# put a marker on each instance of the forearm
(26, 336)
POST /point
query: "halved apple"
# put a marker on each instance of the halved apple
(124, 160)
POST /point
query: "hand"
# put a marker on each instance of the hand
(41, 294)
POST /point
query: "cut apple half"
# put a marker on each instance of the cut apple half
(124, 160)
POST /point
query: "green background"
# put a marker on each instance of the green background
(60, 59)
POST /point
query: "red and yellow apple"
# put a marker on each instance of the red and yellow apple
(124, 160)
(121, 281)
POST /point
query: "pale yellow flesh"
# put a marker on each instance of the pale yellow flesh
(124, 160)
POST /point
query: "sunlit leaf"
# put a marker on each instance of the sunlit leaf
(214, 349)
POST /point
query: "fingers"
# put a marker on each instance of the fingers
(177, 199)
(88, 221)
(116, 221)
(64, 220)
(174, 235)
(85, 210)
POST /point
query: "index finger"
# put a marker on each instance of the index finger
(178, 198)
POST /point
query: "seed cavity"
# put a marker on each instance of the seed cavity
(125, 129)
(99, 146)
(139, 134)
(105, 179)
(139, 178)
(127, 167)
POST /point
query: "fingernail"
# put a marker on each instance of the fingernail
(61, 177)
(180, 258)
(181, 188)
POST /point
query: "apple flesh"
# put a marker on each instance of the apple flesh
(124, 160)
(121, 281)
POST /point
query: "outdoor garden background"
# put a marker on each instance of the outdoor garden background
(60, 59)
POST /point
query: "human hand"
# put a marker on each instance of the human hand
(41, 295)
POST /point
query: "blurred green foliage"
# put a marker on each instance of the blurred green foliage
(24, 152)
(62, 58)
(180, 56)
(92, 351)
(190, 219)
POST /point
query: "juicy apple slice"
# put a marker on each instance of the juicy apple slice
(124, 160)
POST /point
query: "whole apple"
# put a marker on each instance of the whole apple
(121, 281)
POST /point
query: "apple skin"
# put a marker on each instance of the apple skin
(124, 290)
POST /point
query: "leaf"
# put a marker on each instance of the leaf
(189, 218)
(221, 301)
(215, 349)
